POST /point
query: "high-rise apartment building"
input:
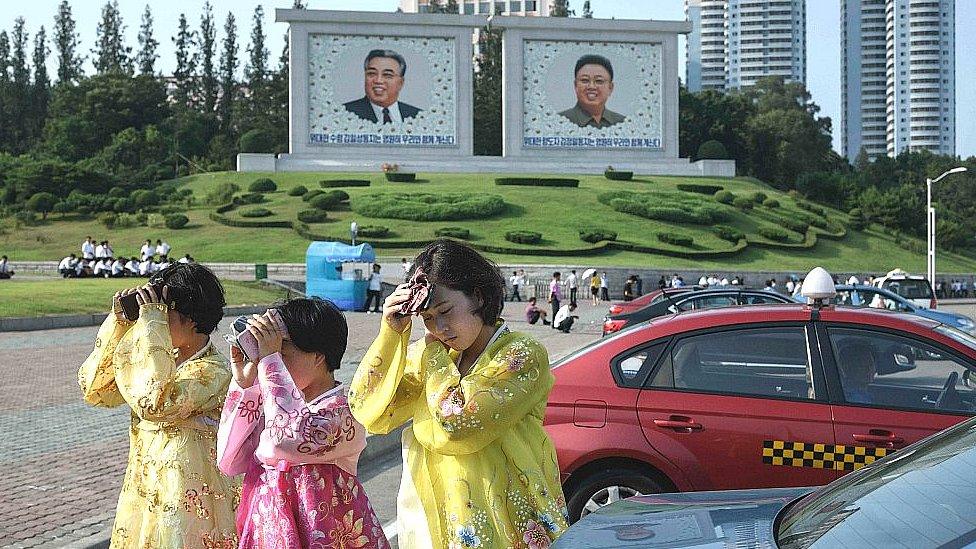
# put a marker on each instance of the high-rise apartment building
(734, 43)
(898, 76)
(468, 7)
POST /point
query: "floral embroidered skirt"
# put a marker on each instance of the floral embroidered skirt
(306, 506)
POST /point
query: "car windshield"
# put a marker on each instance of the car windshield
(933, 504)
(958, 335)
(910, 288)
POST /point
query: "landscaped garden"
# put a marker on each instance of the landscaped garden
(655, 221)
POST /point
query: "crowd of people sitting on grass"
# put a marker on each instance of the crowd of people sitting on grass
(100, 261)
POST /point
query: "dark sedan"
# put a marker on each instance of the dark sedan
(692, 301)
(919, 497)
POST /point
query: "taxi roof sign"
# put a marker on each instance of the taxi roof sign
(818, 285)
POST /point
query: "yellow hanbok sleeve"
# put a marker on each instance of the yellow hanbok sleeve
(149, 380)
(387, 382)
(96, 377)
(466, 414)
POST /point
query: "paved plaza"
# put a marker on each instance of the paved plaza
(63, 460)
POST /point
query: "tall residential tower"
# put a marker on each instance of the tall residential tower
(898, 76)
(733, 43)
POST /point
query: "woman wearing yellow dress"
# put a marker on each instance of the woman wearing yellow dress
(479, 470)
(164, 367)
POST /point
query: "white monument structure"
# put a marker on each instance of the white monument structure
(368, 89)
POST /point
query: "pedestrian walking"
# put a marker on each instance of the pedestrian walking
(374, 290)
(165, 369)
(595, 289)
(353, 231)
(555, 293)
(629, 289)
(572, 282)
(288, 429)
(638, 286)
(604, 287)
(478, 465)
(514, 281)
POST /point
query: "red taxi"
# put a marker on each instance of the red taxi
(622, 307)
(752, 397)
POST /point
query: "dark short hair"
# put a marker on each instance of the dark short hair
(457, 266)
(195, 292)
(316, 325)
(593, 59)
(390, 54)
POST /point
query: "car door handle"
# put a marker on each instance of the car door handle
(682, 424)
(879, 437)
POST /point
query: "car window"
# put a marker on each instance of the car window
(890, 370)
(632, 367)
(909, 288)
(870, 298)
(768, 361)
(706, 302)
(753, 299)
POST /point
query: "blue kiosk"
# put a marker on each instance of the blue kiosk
(325, 277)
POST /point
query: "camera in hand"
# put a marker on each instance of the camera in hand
(130, 304)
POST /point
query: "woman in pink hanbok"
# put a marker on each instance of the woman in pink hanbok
(286, 426)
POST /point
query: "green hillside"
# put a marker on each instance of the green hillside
(651, 216)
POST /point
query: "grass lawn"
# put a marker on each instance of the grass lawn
(37, 297)
(557, 213)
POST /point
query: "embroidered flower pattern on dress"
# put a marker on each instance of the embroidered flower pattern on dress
(535, 536)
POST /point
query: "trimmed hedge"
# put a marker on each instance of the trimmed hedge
(724, 197)
(665, 206)
(176, 221)
(311, 194)
(771, 203)
(616, 175)
(217, 218)
(795, 225)
(775, 234)
(857, 223)
(222, 193)
(329, 183)
(453, 232)
(759, 197)
(373, 231)
(256, 212)
(523, 237)
(263, 185)
(676, 239)
(699, 188)
(803, 205)
(742, 203)
(343, 195)
(250, 198)
(538, 181)
(728, 233)
(325, 201)
(401, 177)
(596, 235)
(300, 190)
(427, 206)
(312, 216)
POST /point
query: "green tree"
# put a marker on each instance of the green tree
(208, 74)
(148, 45)
(256, 71)
(42, 203)
(228, 69)
(111, 53)
(6, 106)
(560, 8)
(41, 88)
(488, 94)
(66, 44)
(186, 65)
(17, 111)
(444, 6)
(587, 12)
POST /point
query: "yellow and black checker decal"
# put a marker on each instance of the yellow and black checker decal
(820, 456)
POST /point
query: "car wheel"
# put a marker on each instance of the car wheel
(606, 487)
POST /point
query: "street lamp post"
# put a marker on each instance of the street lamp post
(930, 216)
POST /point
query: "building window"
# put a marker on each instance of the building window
(499, 7)
(469, 8)
(530, 5)
(515, 6)
(484, 7)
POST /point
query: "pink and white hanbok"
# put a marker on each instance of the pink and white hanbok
(299, 462)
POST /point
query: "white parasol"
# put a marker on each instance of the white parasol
(588, 273)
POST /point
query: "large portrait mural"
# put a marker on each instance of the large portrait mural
(382, 90)
(592, 95)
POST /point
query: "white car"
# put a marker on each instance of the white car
(915, 288)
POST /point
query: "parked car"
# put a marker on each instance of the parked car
(920, 497)
(691, 301)
(752, 397)
(620, 307)
(871, 296)
(912, 287)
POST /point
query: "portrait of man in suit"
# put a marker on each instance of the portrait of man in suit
(384, 72)
(593, 81)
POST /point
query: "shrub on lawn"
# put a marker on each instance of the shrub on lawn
(742, 203)
(796, 225)
(665, 206)
(343, 195)
(42, 203)
(312, 216)
(221, 194)
(256, 212)
(300, 190)
(155, 221)
(537, 181)
(812, 208)
(176, 221)
(250, 198)
(374, 231)
(771, 203)
(400, 177)
(775, 234)
(144, 198)
(106, 219)
(523, 237)
(325, 201)
(759, 197)
(728, 233)
(712, 150)
(311, 194)
(699, 188)
(858, 223)
(617, 175)
(326, 183)
(676, 239)
(724, 197)
(428, 207)
(593, 235)
(453, 232)
(263, 185)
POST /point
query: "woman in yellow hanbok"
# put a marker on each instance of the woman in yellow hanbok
(164, 367)
(479, 470)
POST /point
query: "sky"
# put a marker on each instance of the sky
(823, 38)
